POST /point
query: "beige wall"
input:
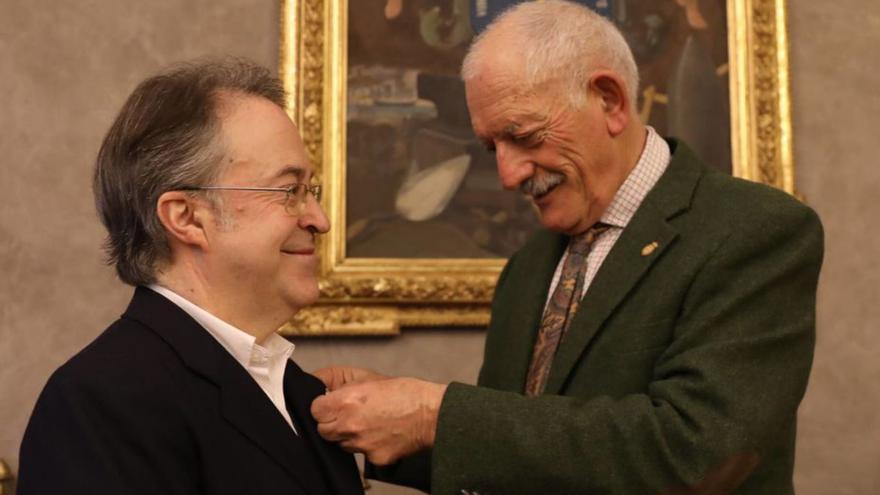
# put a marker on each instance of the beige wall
(835, 82)
(66, 66)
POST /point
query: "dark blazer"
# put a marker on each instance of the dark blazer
(682, 371)
(155, 405)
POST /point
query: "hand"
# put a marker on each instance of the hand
(335, 377)
(385, 419)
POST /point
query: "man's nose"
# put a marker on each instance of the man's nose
(314, 218)
(514, 167)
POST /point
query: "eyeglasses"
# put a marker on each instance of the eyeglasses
(293, 203)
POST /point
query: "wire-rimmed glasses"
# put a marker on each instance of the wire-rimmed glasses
(293, 203)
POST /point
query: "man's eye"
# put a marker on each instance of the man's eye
(528, 140)
(294, 189)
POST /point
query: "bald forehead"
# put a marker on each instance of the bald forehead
(501, 47)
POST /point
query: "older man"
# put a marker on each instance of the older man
(211, 211)
(657, 338)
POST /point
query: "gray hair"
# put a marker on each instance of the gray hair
(561, 40)
(165, 137)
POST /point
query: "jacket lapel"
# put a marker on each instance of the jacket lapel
(626, 264)
(248, 409)
(242, 403)
(341, 472)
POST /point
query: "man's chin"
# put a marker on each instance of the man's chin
(299, 292)
(554, 220)
(304, 298)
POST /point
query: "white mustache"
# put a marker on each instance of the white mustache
(539, 185)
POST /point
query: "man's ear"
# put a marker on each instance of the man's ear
(182, 218)
(614, 99)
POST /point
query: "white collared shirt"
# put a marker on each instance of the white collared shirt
(265, 363)
(652, 163)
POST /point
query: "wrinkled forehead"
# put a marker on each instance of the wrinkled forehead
(499, 100)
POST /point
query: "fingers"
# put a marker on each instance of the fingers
(376, 402)
(335, 377)
(379, 456)
(385, 419)
(324, 409)
(334, 414)
(331, 433)
(360, 375)
(382, 457)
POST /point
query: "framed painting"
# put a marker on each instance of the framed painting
(420, 225)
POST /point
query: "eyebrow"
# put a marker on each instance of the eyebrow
(511, 131)
(522, 121)
(506, 132)
(297, 171)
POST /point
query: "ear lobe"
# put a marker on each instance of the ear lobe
(177, 212)
(613, 99)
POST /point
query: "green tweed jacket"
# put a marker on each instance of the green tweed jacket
(682, 371)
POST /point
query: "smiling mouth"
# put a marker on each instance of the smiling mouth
(300, 252)
(541, 195)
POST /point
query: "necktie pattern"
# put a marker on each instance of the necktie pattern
(560, 309)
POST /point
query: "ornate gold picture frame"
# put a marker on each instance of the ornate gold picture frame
(378, 296)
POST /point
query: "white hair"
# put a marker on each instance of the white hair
(559, 40)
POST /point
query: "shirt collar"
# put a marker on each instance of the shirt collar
(240, 344)
(651, 165)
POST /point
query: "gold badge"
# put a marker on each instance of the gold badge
(649, 248)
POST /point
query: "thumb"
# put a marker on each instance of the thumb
(332, 376)
(323, 409)
(335, 377)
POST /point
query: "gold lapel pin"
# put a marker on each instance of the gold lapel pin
(649, 248)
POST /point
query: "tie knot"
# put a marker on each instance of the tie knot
(580, 244)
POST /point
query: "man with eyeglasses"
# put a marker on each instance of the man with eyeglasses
(212, 213)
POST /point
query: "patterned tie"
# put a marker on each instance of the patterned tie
(560, 309)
